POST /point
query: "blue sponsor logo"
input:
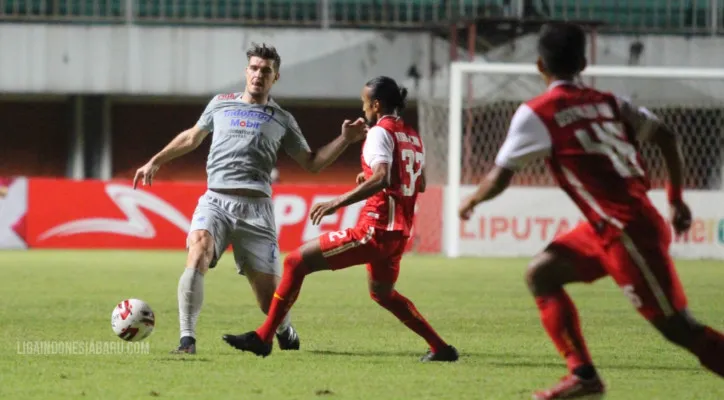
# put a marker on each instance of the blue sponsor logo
(248, 114)
(244, 123)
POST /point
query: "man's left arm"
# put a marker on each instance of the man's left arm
(648, 127)
(527, 140)
(296, 145)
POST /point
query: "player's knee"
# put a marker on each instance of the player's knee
(535, 275)
(293, 259)
(294, 264)
(201, 250)
(548, 272)
(681, 329)
(381, 293)
(380, 297)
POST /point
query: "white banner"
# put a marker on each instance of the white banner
(13, 207)
(522, 221)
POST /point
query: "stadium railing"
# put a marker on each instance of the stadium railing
(644, 16)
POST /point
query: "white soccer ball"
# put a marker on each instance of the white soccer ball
(133, 320)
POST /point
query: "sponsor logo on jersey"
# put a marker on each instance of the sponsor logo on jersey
(269, 111)
(251, 115)
(245, 123)
(226, 96)
(242, 132)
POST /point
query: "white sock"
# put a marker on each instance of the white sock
(190, 298)
(285, 324)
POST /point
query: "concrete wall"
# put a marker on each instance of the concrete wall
(37, 58)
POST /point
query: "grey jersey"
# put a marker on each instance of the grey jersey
(245, 141)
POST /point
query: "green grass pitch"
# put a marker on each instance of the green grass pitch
(351, 348)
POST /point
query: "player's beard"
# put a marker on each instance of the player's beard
(371, 121)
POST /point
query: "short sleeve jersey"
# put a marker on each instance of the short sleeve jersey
(245, 141)
(590, 142)
(399, 146)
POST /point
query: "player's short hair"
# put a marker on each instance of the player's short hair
(562, 47)
(266, 52)
(391, 96)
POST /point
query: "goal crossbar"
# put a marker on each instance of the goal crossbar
(458, 70)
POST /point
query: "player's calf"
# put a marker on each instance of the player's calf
(702, 341)
(191, 287)
(386, 296)
(264, 286)
(547, 273)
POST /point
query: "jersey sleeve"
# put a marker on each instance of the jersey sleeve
(643, 121)
(206, 121)
(378, 147)
(528, 139)
(294, 141)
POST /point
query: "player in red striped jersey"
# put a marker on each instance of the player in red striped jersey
(393, 159)
(590, 142)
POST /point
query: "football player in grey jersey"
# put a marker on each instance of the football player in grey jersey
(248, 130)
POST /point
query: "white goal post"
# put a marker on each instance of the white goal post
(474, 107)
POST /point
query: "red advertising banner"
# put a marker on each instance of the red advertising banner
(95, 214)
(111, 215)
(13, 206)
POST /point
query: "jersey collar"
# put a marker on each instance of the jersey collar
(388, 116)
(561, 83)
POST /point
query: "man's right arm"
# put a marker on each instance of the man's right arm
(527, 140)
(183, 143)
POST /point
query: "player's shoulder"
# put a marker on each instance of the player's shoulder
(393, 125)
(396, 131)
(279, 112)
(551, 102)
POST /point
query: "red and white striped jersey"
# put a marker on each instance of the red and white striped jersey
(393, 142)
(590, 141)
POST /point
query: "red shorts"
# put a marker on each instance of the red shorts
(380, 250)
(638, 261)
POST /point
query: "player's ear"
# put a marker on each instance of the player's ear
(541, 65)
(375, 105)
(276, 76)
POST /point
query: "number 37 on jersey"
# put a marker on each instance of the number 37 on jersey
(413, 161)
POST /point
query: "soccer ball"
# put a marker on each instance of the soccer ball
(132, 320)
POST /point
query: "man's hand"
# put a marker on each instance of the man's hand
(354, 131)
(360, 178)
(320, 210)
(680, 217)
(467, 208)
(145, 174)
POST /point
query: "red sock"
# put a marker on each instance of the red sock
(560, 319)
(285, 295)
(405, 311)
(710, 350)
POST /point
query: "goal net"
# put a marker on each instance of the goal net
(464, 128)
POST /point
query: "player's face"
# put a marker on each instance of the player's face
(542, 69)
(260, 76)
(369, 107)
